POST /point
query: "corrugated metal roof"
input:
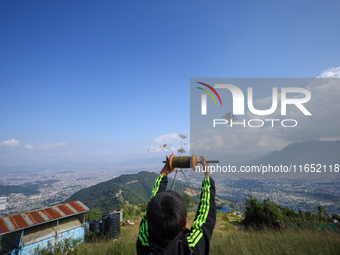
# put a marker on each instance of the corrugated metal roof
(28, 219)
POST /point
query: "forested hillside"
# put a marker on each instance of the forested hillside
(27, 188)
(112, 194)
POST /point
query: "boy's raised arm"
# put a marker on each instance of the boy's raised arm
(205, 219)
(162, 180)
(160, 186)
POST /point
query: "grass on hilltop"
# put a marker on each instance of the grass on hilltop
(230, 237)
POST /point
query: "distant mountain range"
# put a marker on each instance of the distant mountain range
(112, 194)
(145, 163)
(310, 152)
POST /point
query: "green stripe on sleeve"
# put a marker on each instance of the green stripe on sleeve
(156, 187)
(197, 233)
(202, 209)
(144, 230)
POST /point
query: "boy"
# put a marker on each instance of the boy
(163, 227)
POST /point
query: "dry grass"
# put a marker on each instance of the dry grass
(230, 237)
(273, 242)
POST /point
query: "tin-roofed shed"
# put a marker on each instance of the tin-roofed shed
(23, 233)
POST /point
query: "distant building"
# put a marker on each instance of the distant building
(121, 212)
(23, 233)
(3, 201)
(126, 202)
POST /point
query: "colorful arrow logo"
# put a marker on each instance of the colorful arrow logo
(209, 93)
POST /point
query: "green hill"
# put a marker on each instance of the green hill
(112, 194)
(27, 188)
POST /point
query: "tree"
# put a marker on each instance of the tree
(310, 216)
(143, 206)
(336, 217)
(187, 199)
(322, 215)
(95, 214)
(302, 216)
(129, 210)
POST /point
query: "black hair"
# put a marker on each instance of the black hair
(166, 213)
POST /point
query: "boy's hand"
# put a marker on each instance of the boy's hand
(205, 166)
(166, 169)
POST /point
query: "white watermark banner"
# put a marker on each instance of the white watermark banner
(290, 124)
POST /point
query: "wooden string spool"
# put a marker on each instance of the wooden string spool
(186, 162)
(183, 162)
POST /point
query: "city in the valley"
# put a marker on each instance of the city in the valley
(38, 189)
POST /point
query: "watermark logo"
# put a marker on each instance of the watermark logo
(239, 104)
(204, 97)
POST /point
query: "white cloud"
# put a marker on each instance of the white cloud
(29, 147)
(167, 138)
(331, 139)
(333, 72)
(240, 140)
(209, 140)
(10, 143)
(160, 148)
(173, 141)
(154, 148)
(46, 146)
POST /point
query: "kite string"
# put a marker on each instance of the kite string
(173, 182)
(188, 181)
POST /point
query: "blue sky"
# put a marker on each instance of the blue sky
(99, 81)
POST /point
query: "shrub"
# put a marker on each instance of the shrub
(95, 214)
(263, 214)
